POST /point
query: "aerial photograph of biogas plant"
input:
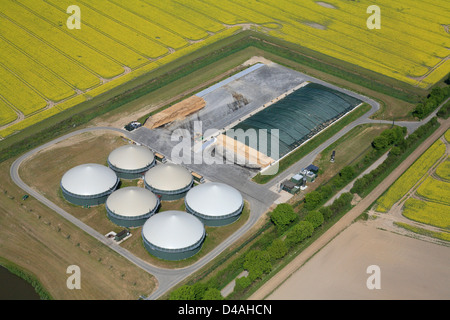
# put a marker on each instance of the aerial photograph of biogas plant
(241, 152)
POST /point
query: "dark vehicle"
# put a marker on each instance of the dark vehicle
(133, 125)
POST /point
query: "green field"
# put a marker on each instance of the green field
(426, 212)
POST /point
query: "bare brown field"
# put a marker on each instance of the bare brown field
(409, 268)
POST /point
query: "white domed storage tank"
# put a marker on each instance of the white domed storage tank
(173, 235)
(215, 204)
(88, 184)
(169, 181)
(131, 161)
(131, 207)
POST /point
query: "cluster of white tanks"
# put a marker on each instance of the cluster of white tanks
(170, 235)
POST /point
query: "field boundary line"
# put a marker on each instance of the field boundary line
(90, 46)
(38, 62)
(107, 35)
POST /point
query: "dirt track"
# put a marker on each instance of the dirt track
(345, 221)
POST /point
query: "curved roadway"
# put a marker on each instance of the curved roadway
(167, 278)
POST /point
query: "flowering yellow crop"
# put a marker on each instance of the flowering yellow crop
(60, 40)
(105, 47)
(190, 15)
(435, 190)
(215, 10)
(18, 94)
(139, 23)
(7, 114)
(38, 77)
(45, 114)
(443, 170)
(436, 75)
(120, 40)
(411, 176)
(163, 19)
(134, 39)
(431, 213)
(63, 66)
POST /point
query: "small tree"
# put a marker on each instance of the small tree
(315, 218)
(380, 142)
(257, 263)
(212, 294)
(299, 232)
(326, 212)
(184, 292)
(347, 173)
(198, 290)
(326, 191)
(277, 249)
(312, 200)
(242, 283)
(282, 216)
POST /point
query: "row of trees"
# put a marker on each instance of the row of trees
(365, 183)
(389, 137)
(433, 100)
(197, 291)
(290, 230)
(444, 112)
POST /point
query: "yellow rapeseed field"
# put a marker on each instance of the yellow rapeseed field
(411, 176)
(120, 40)
(17, 93)
(7, 114)
(69, 70)
(39, 77)
(435, 190)
(431, 213)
